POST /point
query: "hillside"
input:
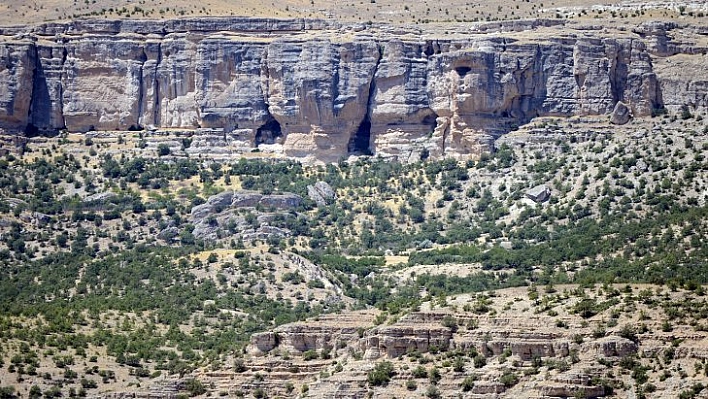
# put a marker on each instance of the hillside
(130, 266)
(353, 199)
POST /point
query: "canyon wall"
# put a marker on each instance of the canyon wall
(311, 88)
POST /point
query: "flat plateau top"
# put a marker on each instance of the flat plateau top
(14, 12)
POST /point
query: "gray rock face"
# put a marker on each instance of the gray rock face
(16, 76)
(285, 201)
(243, 199)
(321, 193)
(309, 88)
(395, 341)
(100, 198)
(539, 193)
(613, 347)
(215, 218)
(621, 114)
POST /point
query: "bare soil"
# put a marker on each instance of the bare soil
(14, 12)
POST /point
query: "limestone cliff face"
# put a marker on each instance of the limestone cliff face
(16, 76)
(315, 89)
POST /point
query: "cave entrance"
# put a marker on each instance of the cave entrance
(359, 143)
(462, 71)
(31, 130)
(431, 121)
(268, 133)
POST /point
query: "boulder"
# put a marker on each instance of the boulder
(539, 194)
(621, 114)
(100, 198)
(321, 192)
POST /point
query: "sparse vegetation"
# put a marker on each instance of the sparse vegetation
(123, 287)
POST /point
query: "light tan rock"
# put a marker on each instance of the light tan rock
(319, 91)
(15, 84)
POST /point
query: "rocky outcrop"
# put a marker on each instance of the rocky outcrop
(315, 89)
(613, 347)
(321, 192)
(245, 199)
(537, 194)
(397, 340)
(512, 351)
(216, 217)
(331, 332)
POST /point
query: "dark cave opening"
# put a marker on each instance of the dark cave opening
(462, 70)
(429, 50)
(31, 130)
(431, 120)
(268, 133)
(359, 143)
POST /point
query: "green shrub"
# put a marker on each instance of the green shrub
(411, 385)
(468, 383)
(163, 150)
(509, 379)
(194, 387)
(310, 354)
(381, 374)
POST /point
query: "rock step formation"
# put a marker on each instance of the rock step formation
(350, 335)
(314, 88)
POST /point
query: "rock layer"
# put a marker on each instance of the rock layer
(316, 89)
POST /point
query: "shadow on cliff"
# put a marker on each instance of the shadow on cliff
(40, 110)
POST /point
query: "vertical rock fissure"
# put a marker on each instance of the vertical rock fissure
(539, 92)
(271, 130)
(614, 79)
(265, 79)
(360, 142)
(141, 92)
(31, 128)
(335, 82)
(64, 56)
(657, 99)
(156, 87)
(618, 75)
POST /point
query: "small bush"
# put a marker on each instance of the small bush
(468, 383)
(509, 379)
(163, 150)
(381, 374)
(310, 355)
(411, 385)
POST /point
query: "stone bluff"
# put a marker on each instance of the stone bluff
(320, 89)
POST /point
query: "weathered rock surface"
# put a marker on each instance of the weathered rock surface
(321, 192)
(512, 350)
(394, 341)
(613, 346)
(216, 217)
(540, 193)
(244, 199)
(621, 114)
(331, 333)
(309, 88)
